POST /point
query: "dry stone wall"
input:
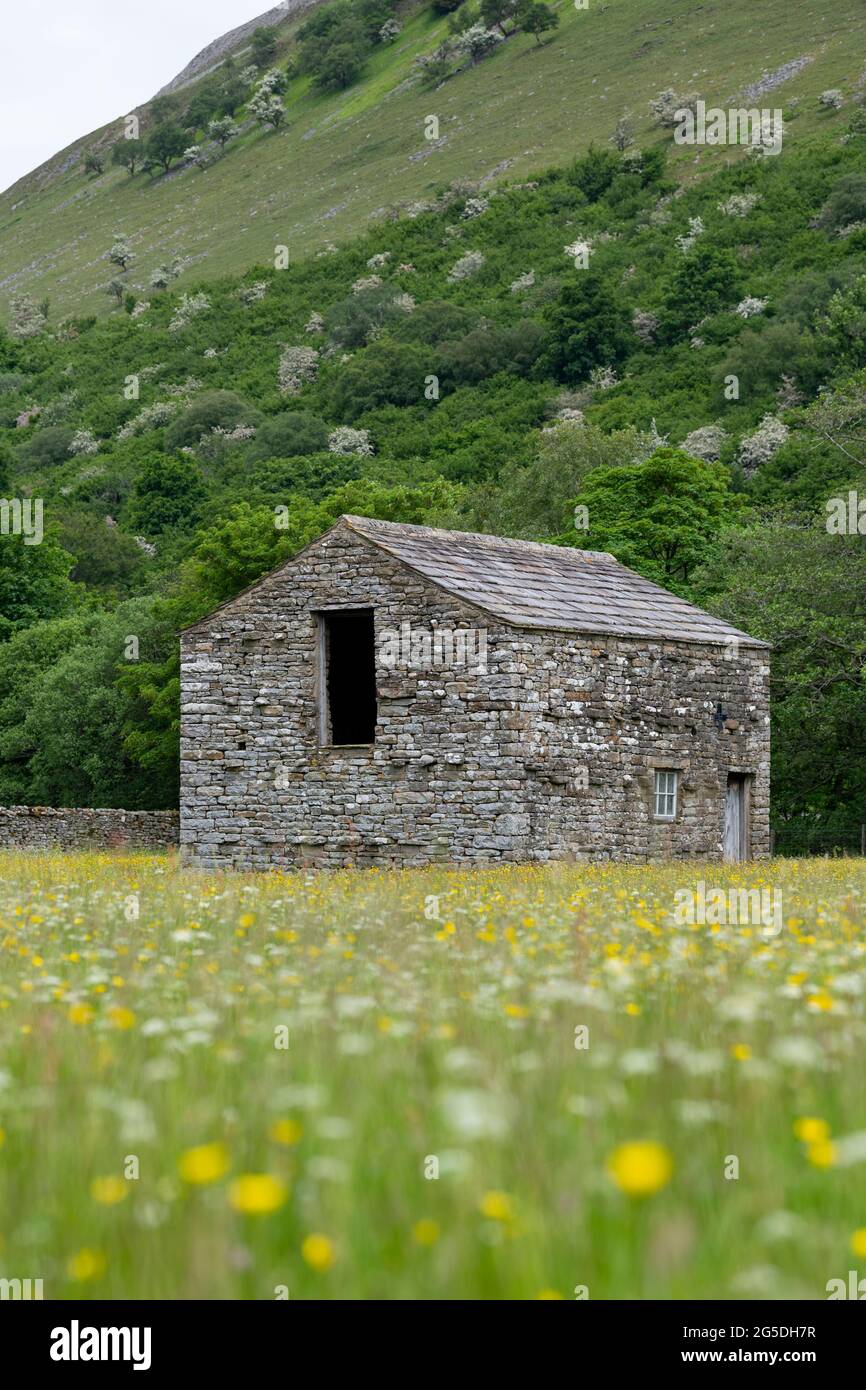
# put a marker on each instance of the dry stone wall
(49, 827)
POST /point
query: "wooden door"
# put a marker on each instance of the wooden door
(736, 844)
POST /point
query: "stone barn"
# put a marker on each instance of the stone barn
(402, 695)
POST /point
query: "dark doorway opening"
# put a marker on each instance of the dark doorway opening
(349, 688)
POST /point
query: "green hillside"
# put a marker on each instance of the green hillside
(344, 158)
(658, 351)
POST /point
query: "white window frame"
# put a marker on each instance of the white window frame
(666, 793)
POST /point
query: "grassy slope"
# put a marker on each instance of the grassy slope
(344, 158)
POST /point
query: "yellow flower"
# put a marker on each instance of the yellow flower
(741, 1052)
(318, 1252)
(81, 1013)
(822, 1000)
(121, 1017)
(516, 1011)
(85, 1265)
(247, 920)
(108, 1191)
(548, 1295)
(496, 1206)
(204, 1164)
(822, 1154)
(257, 1194)
(2, 1136)
(858, 1242)
(425, 1232)
(640, 1168)
(632, 1009)
(285, 1131)
(811, 1130)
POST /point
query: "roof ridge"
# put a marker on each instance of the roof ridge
(365, 523)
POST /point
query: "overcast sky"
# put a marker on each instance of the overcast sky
(70, 66)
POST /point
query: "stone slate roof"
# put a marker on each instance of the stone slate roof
(546, 586)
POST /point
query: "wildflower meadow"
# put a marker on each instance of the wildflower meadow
(516, 1083)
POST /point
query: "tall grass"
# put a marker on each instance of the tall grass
(511, 1030)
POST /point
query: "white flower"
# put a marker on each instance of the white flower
(190, 305)
(267, 107)
(739, 204)
(468, 265)
(297, 366)
(367, 282)
(645, 325)
(688, 239)
(705, 443)
(345, 440)
(523, 282)
(152, 417)
(475, 206)
(579, 250)
(378, 261)
(603, 378)
(759, 447)
(251, 294)
(750, 306)
(27, 319)
(315, 323)
(84, 444)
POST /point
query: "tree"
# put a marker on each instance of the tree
(706, 280)
(166, 144)
(34, 582)
(66, 745)
(586, 328)
(339, 67)
(268, 108)
(264, 45)
(477, 41)
(127, 154)
(210, 410)
(93, 162)
(168, 493)
(623, 135)
(223, 130)
(287, 435)
(164, 108)
(805, 592)
(28, 319)
(496, 12)
(536, 18)
(657, 517)
(531, 499)
(121, 251)
(594, 172)
(845, 324)
(48, 447)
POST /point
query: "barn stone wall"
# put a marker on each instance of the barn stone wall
(548, 753)
(50, 827)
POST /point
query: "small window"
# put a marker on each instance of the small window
(347, 677)
(666, 795)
